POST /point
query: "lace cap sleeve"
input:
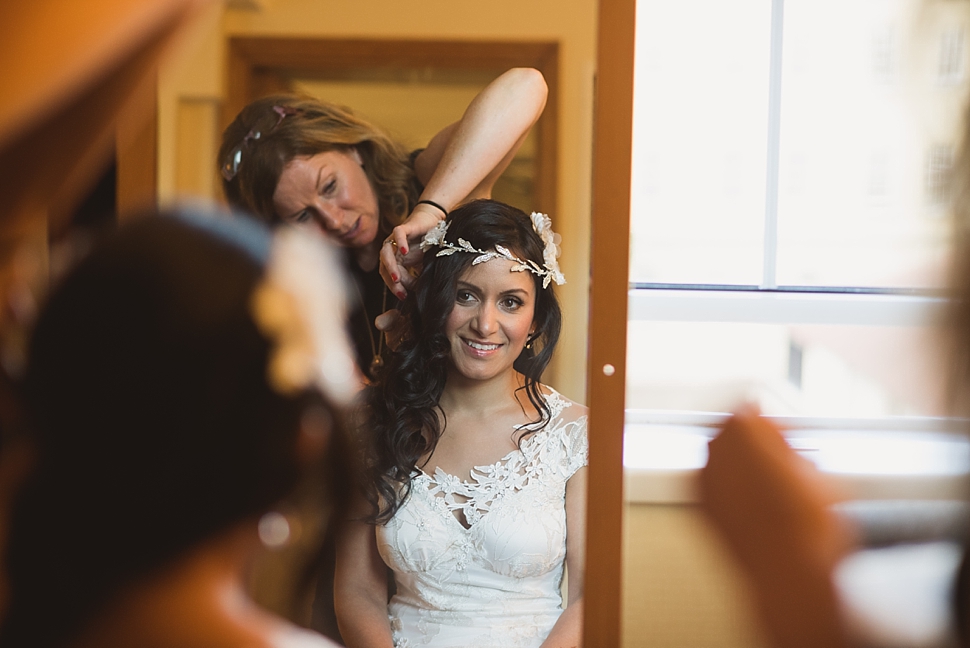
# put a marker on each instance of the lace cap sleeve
(571, 425)
(577, 446)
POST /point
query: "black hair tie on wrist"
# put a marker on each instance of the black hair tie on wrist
(433, 204)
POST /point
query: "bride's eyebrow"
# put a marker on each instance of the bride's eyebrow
(466, 284)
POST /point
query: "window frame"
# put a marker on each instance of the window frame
(759, 306)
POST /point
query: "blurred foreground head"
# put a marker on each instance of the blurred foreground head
(169, 383)
(79, 80)
(957, 342)
(957, 330)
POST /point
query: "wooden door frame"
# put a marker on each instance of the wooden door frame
(609, 280)
(136, 153)
(253, 62)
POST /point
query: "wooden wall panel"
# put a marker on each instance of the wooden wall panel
(136, 150)
(196, 148)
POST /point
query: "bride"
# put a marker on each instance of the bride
(475, 494)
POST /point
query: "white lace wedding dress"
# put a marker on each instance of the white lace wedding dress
(497, 582)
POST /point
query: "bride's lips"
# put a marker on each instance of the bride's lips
(480, 349)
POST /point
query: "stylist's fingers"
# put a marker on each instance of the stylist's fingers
(400, 259)
(392, 269)
(401, 254)
(394, 327)
(386, 320)
(395, 286)
(400, 235)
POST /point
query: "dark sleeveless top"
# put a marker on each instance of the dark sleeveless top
(369, 297)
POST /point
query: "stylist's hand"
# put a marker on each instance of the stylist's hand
(393, 326)
(400, 254)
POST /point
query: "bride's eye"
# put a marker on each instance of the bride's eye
(464, 297)
(511, 303)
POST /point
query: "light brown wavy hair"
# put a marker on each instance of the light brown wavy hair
(314, 127)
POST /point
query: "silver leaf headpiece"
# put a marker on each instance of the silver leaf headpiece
(541, 223)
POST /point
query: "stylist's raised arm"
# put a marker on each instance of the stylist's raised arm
(463, 161)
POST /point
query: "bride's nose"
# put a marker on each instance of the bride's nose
(485, 321)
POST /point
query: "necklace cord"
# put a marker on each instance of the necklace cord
(376, 347)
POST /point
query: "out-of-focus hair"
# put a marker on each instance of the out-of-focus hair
(956, 338)
(402, 411)
(152, 419)
(314, 127)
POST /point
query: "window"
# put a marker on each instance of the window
(939, 161)
(788, 229)
(885, 54)
(952, 56)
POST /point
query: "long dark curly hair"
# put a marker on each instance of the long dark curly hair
(403, 420)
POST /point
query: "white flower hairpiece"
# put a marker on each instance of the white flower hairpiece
(541, 223)
(301, 308)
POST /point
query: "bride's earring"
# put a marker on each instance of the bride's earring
(532, 338)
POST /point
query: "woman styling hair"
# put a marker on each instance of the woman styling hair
(181, 382)
(300, 160)
(475, 492)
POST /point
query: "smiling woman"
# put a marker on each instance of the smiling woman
(475, 493)
(491, 320)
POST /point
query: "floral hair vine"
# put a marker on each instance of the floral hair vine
(541, 223)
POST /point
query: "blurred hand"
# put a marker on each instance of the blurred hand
(764, 497)
(772, 509)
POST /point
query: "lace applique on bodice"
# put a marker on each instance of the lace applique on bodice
(494, 582)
